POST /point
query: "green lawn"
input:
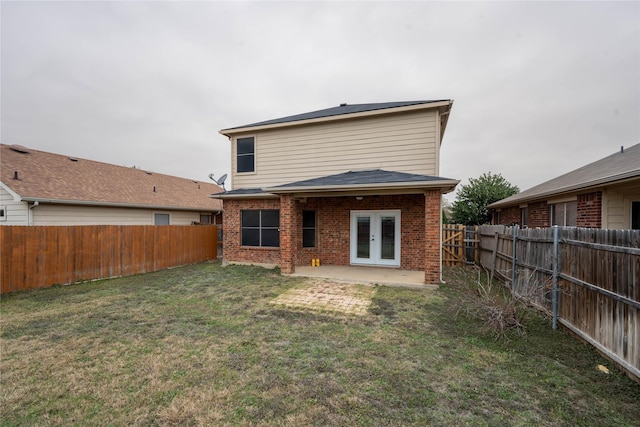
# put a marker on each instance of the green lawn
(204, 345)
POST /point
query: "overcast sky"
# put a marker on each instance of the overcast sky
(539, 89)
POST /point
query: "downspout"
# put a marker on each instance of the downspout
(440, 240)
(214, 217)
(30, 215)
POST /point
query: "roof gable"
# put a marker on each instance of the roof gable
(618, 166)
(39, 175)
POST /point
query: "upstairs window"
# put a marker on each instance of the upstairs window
(308, 229)
(260, 228)
(245, 148)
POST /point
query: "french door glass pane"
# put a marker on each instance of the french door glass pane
(364, 230)
(387, 247)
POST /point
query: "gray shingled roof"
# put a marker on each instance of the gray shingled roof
(337, 111)
(377, 176)
(618, 166)
(342, 181)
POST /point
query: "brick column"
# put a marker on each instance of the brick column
(288, 233)
(432, 227)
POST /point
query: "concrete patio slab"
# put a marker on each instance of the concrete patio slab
(366, 275)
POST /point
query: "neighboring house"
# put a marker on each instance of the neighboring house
(602, 194)
(40, 188)
(348, 185)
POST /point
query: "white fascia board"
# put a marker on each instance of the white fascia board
(16, 196)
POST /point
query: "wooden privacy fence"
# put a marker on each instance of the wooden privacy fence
(39, 256)
(587, 279)
(459, 244)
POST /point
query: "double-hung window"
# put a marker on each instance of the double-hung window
(260, 228)
(245, 154)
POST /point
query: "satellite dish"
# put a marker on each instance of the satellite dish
(221, 180)
(211, 177)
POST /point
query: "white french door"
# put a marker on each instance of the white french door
(375, 237)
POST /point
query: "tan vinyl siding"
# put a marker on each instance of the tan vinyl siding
(90, 215)
(617, 205)
(399, 142)
(16, 212)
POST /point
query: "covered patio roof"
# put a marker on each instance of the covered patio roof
(377, 181)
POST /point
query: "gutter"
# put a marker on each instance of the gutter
(38, 200)
(444, 184)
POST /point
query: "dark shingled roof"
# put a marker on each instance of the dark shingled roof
(337, 111)
(377, 176)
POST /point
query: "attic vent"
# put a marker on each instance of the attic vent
(343, 105)
(19, 149)
(73, 159)
(148, 172)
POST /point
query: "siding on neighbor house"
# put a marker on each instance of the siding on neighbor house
(616, 205)
(16, 212)
(407, 142)
(92, 215)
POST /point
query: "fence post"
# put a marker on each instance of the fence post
(493, 257)
(556, 269)
(513, 259)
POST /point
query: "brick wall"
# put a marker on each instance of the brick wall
(539, 215)
(233, 251)
(333, 230)
(511, 215)
(333, 227)
(590, 210)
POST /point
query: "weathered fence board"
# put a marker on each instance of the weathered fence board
(39, 256)
(598, 280)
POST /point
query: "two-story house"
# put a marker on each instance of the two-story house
(348, 185)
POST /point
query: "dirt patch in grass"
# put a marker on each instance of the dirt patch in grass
(206, 345)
